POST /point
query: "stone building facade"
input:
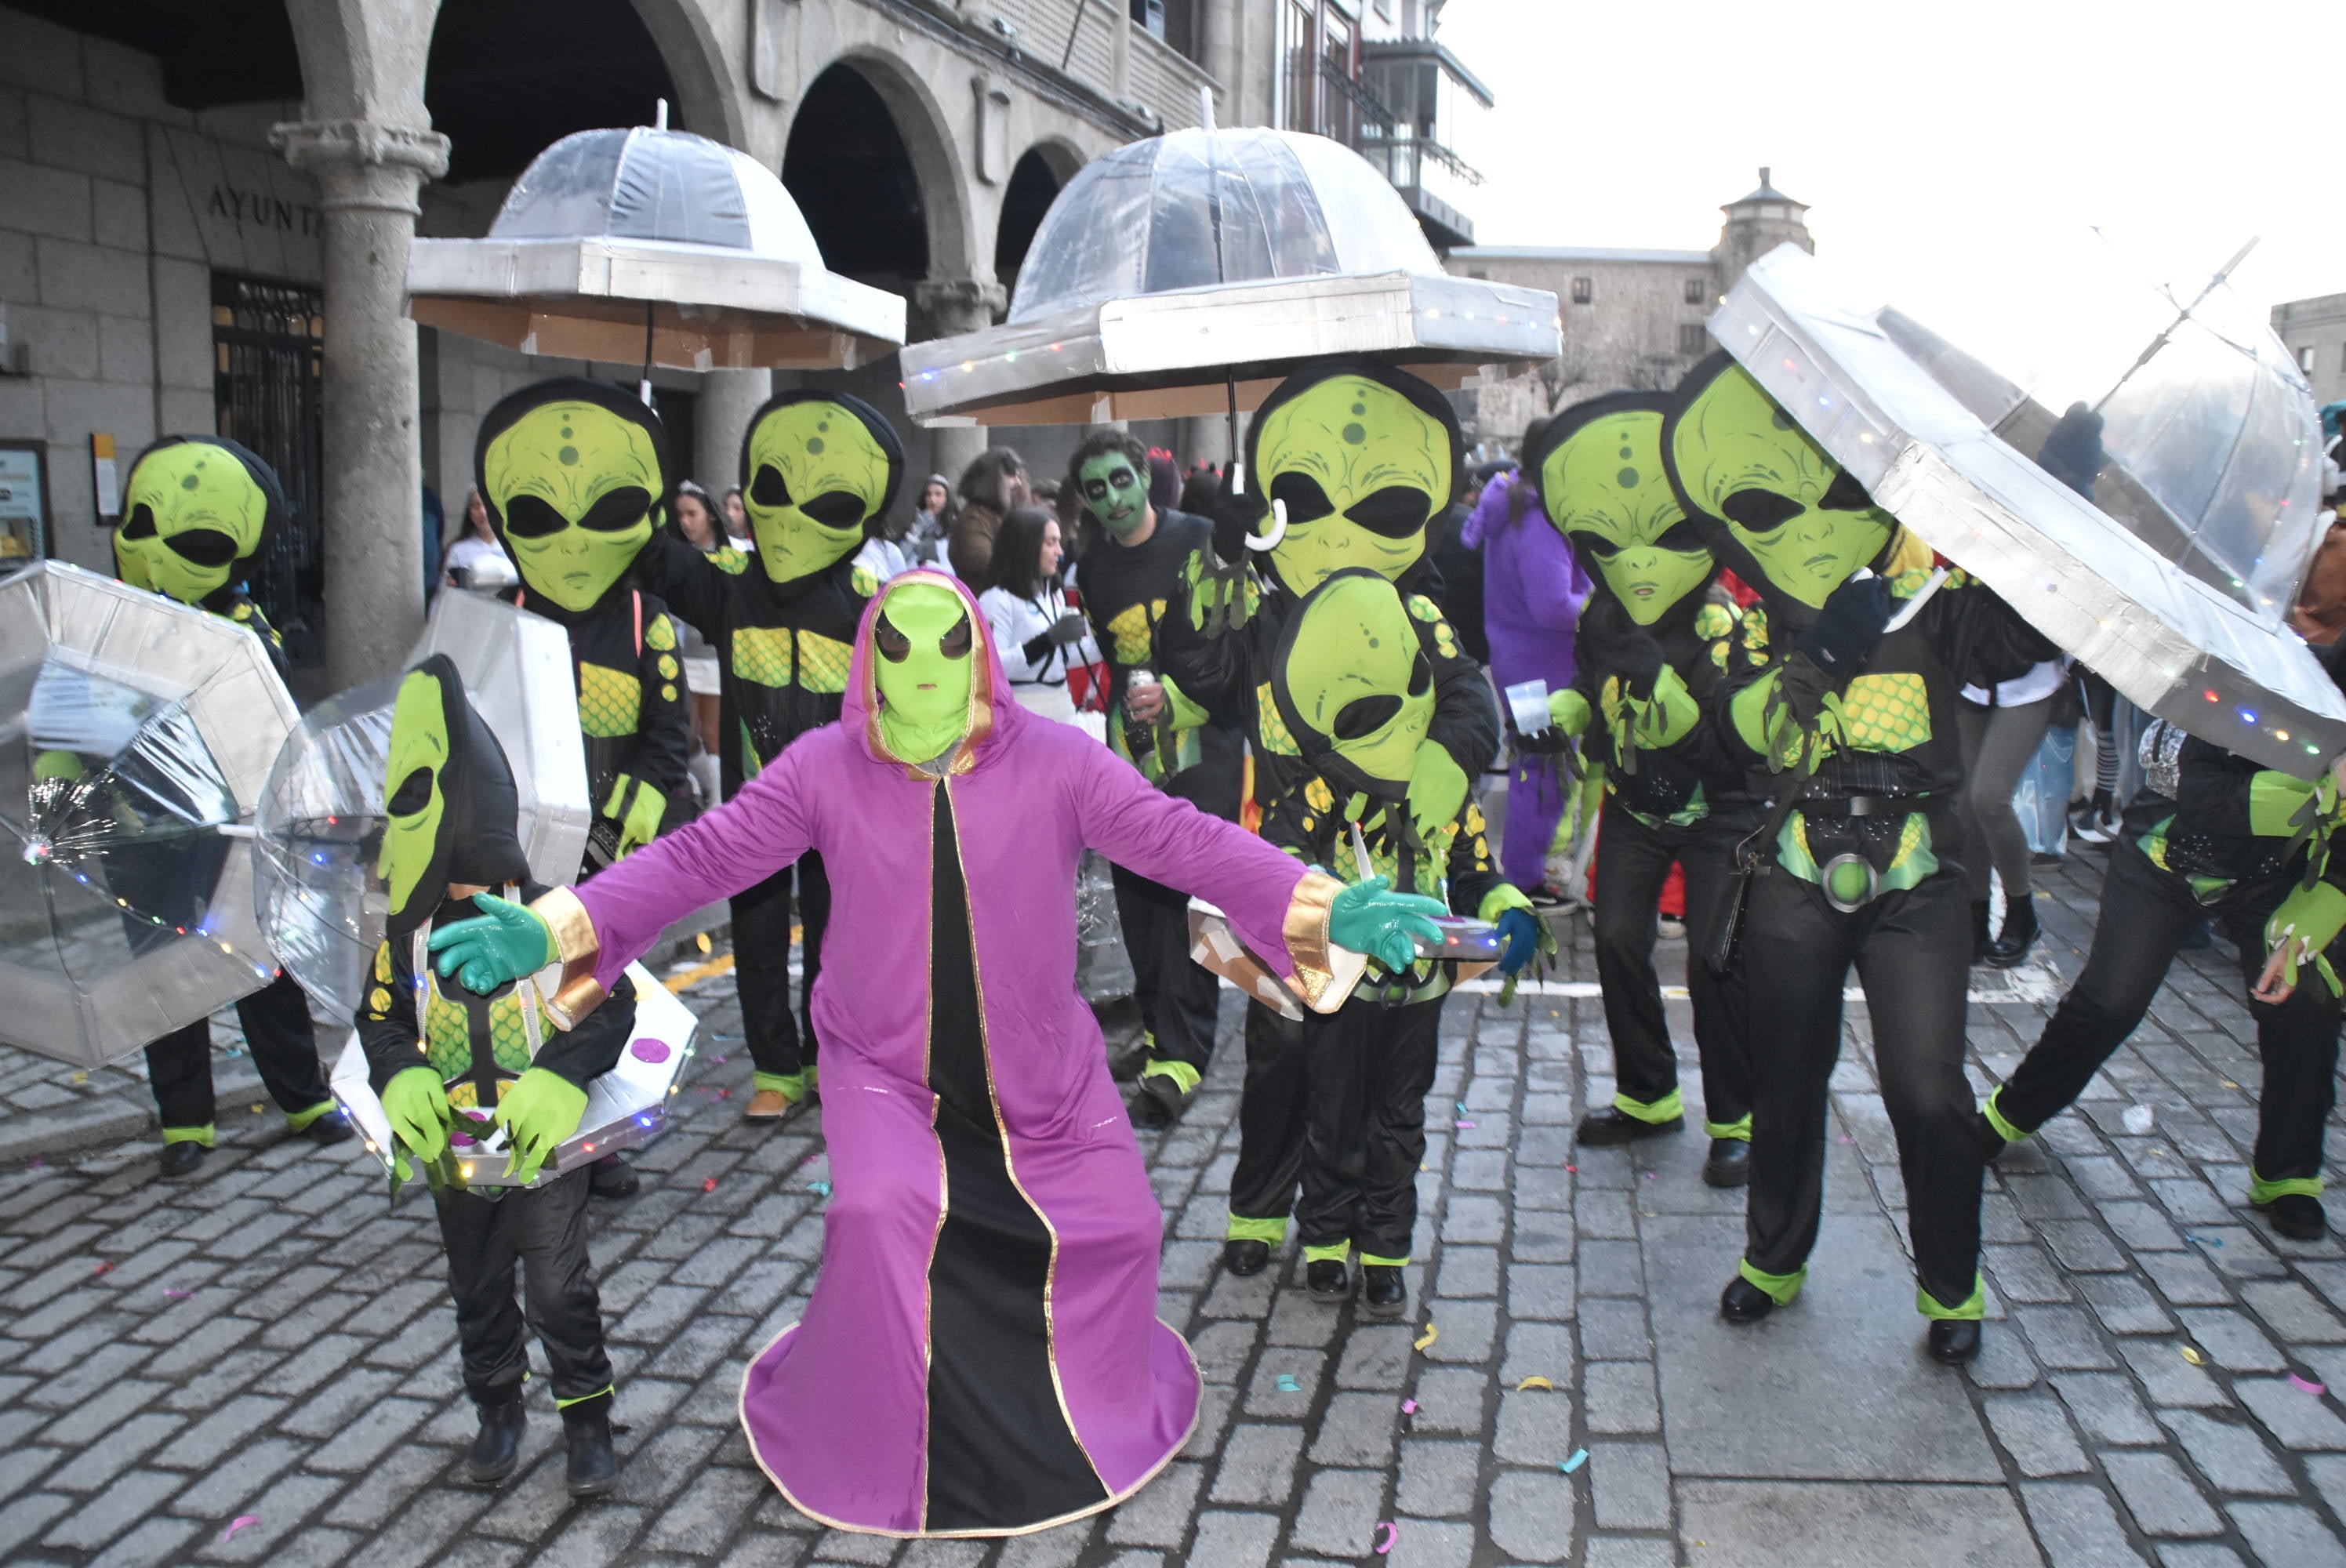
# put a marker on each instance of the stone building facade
(2315, 332)
(1632, 319)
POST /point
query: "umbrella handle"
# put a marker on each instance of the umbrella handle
(1269, 542)
(236, 830)
(1913, 607)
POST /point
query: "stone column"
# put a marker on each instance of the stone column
(1206, 438)
(728, 400)
(953, 306)
(368, 174)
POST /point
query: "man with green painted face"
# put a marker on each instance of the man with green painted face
(1131, 572)
(1845, 724)
(195, 512)
(1646, 671)
(819, 471)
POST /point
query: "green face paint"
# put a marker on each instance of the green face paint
(190, 514)
(415, 806)
(1603, 489)
(1361, 469)
(575, 484)
(816, 474)
(1808, 524)
(1114, 493)
(923, 667)
(1353, 672)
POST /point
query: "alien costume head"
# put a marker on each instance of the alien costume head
(195, 512)
(574, 477)
(926, 661)
(817, 468)
(1599, 467)
(1789, 520)
(1363, 457)
(1353, 683)
(451, 810)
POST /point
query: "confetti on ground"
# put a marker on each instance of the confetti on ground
(1463, 1126)
(1843, 1139)
(2306, 1386)
(2194, 1357)
(1288, 1385)
(2138, 1119)
(105, 1268)
(820, 1189)
(703, 943)
(238, 1522)
(1391, 1532)
(708, 1184)
(177, 1295)
(256, 1110)
(1461, 1108)
(1535, 1382)
(1579, 1456)
(1574, 1169)
(1428, 1337)
(81, 1077)
(2204, 1240)
(2230, 1084)
(1409, 1407)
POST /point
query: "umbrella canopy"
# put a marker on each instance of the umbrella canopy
(1176, 272)
(652, 245)
(321, 814)
(135, 737)
(2171, 581)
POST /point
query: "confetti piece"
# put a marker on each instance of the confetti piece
(703, 943)
(2204, 1240)
(2138, 1119)
(2230, 1084)
(1392, 1533)
(1428, 1337)
(1574, 1169)
(38, 1165)
(1409, 1407)
(1579, 1456)
(1651, 1177)
(81, 1077)
(1535, 1383)
(1288, 1385)
(105, 1268)
(722, 1093)
(177, 1295)
(2306, 1386)
(238, 1522)
(1461, 1108)
(2194, 1357)
(256, 1110)
(820, 1189)
(1463, 1126)
(1843, 1139)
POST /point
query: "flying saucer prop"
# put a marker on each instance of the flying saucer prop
(2171, 583)
(1188, 273)
(135, 737)
(625, 1108)
(652, 245)
(320, 817)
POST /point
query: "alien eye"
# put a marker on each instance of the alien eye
(895, 646)
(1680, 537)
(619, 511)
(533, 517)
(414, 793)
(1596, 544)
(1306, 501)
(770, 488)
(1759, 511)
(1845, 494)
(1364, 715)
(836, 509)
(955, 644)
(140, 523)
(203, 546)
(1421, 675)
(1395, 512)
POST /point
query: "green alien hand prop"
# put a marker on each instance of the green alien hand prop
(1368, 917)
(1357, 461)
(416, 1102)
(1114, 493)
(537, 1112)
(639, 809)
(1602, 484)
(193, 511)
(2307, 923)
(572, 483)
(925, 670)
(814, 470)
(503, 942)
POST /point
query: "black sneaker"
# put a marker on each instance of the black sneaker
(1729, 1164)
(1612, 1127)
(180, 1160)
(1328, 1280)
(1244, 1258)
(2296, 1215)
(592, 1469)
(612, 1177)
(1383, 1292)
(1157, 1103)
(2019, 934)
(1954, 1340)
(496, 1446)
(1744, 1302)
(330, 1129)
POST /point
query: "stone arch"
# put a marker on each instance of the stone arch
(931, 146)
(708, 97)
(1036, 180)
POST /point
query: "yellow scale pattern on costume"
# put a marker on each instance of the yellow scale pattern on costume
(610, 701)
(1713, 621)
(1130, 632)
(864, 581)
(1275, 738)
(660, 636)
(762, 654)
(1426, 610)
(822, 663)
(1887, 712)
(448, 1044)
(729, 561)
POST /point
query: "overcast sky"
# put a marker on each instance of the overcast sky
(1955, 156)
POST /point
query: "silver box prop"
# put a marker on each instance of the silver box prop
(626, 1107)
(125, 890)
(1903, 413)
(1215, 947)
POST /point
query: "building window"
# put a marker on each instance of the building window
(267, 388)
(2305, 359)
(1584, 290)
(1693, 341)
(1698, 289)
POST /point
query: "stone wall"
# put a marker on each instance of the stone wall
(2319, 324)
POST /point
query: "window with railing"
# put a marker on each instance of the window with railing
(268, 379)
(1698, 289)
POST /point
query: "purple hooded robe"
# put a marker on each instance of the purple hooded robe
(981, 1355)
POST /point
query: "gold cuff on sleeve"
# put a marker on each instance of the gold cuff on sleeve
(577, 947)
(1325, 974)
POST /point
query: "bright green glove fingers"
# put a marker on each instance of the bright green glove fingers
(1437, 789)
(416, 1102)
(2316, 914)
(505, 941)
(1669, 715)
(1568, 711)
(540, 1110)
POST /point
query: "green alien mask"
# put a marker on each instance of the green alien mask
(1361, 457)
(575, 476)
(1115, 491)
(927, 676)
(1353, 683)
(451, 812)
(816, 468)
(195, 510)
(1600, 470)
(1763, 493)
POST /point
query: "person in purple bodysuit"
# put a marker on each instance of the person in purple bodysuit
(980, 1356)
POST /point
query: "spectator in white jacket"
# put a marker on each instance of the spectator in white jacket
(1037, 636)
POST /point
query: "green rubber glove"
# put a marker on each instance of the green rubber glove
(537, 1113)
(1568, 711)
(1669, 715)
(1368, 917)
(639, 823)
(417, 1103)
(1437, 789)
(505, 942)
(2307, 923)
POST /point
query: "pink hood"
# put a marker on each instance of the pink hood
(994, 713)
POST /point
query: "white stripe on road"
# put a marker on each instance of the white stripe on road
(2032, 985)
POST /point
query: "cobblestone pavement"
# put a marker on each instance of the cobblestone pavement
(271, 1342)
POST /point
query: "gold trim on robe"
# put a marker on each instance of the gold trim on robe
(577, 947)
(1325, 974)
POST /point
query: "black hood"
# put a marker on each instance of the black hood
(475, 839)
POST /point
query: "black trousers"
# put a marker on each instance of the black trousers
(1911, 950)
(285, 1047)
(1633, 861)
(780, 1042)
(545, 1230)
(1176, 997)
(2146, 913)
(1270, 1117)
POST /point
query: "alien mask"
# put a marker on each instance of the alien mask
(923, 641)
(1599, 468)
(195, 510)
(1115, 491)
(1361, 457)
(1763, 493)
(574, 476)
(451, 812)
(1353, 683)
(816, 468)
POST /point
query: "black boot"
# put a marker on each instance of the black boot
(593, 1468)
(1328, 1280)
(330, 1129)
(1980, 939)
(1156, 1102)
(1242, 1256)
(1383, 1292)
(1729, 1164)
(496, 1446)
(612, 1177)
(2296, 1215)
(2018, 935)
(1612, 1125)
(1954, 1340)
(180, 1160)
(1744, 1302)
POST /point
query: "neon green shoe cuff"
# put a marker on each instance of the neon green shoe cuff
(814, 1077)
(791, 1086)
(1368, 1259)
(1973, 1308)
(1741, 1131)
(2005, 1129)
(1269, 1231)
(611, 1388)
(202, 1135)
(1337, 1251)
(2263, 1191)
(1781, 1287)
(1670, 1108)
(300, 1121)
(1184, 1076)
